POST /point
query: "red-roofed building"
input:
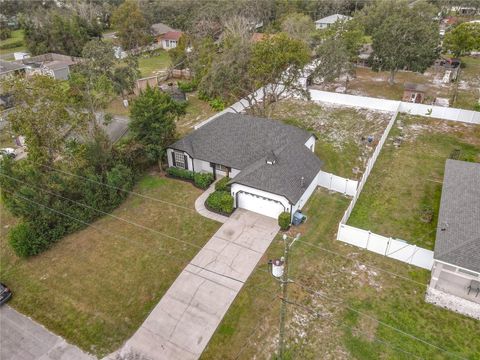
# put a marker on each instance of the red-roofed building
(170, 39)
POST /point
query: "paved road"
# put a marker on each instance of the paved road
(182, 323)
(21, 338)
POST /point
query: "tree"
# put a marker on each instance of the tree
(463, 39)
(275, 69)
(132, 28)
(298, 26)
(45, 114)
(58, 32)
(178, 55)
(153, 114)
(333, 59)
(404, 37)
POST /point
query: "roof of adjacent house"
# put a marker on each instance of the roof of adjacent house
(160, 29)
(246, 142)
(332, 19)
(51, 60)
(172, 35)
(9, 66)
(415, 87)
(458, 231)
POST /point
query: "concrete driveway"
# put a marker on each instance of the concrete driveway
(21, 338)
(184, 320)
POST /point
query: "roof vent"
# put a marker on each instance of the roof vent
(302, 181)
(271, 158)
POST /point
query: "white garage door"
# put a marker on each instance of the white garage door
(259, 204)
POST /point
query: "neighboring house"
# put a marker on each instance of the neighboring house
(170, 39)
(456, 267)
(414, 93)
(51, 64)
(9, 68)
(330, 20)
(272, 166)
(165, 36)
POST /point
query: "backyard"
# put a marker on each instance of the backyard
(96, 286)
(370, 83)
(354, 288)
(12, 44)
(402, 195)
(342, 133)
(150, 65)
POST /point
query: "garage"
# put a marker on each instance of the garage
(259, 204)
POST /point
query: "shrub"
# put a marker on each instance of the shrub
(476, 107)
(203, 180)
(217, 104)
(220, 201)
(284, 220)
(25, 241)
(180, 173)
(222, 184)
(187, 86)
(11, 45)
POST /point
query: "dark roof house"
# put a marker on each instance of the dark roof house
(458, 233)
(10, 67)
(261, 154)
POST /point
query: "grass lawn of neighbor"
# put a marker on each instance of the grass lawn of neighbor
(95, 287)
(16, 38)
(150, 64)
(342, 133)
(351, 281)
(197, 111)
(402, 195)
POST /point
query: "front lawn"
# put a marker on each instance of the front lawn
(95, 287)
(342, 133)
(402, 195)
(326, 327)
(149, 65)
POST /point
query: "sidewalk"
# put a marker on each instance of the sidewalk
(200, 206)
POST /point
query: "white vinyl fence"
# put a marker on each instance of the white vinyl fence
(393, 248)
(432, 111)
(337, 183)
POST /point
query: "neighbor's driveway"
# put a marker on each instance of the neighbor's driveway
(21, 338)
(184, 320)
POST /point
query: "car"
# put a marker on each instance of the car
(5, 293)
(9, 152)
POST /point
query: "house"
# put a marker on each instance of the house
(165, 36)
(9, 68)
(51, 64)
(414, 93)
(456, 267)
(329, 20)
(272, 166)
(170, 39)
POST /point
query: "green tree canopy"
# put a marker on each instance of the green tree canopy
(132, 28)
(153, 114)
(463, 39)
(298, 26)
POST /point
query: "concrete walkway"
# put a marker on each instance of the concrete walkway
(202, 210)
(21, 338)
(184, 320)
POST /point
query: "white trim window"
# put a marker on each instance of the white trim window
(179, 160)
(220, 167)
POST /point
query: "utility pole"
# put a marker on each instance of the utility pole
(283, 285)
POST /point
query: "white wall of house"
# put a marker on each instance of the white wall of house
(319, 26)
(169, 44)
(260, 205)
(306, 195)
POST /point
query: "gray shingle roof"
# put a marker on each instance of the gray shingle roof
(9, 66)
(331, 19)
(245, 142)
(459, 242)
(160, 29)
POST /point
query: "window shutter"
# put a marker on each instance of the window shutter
(186, 161)
(173, 159)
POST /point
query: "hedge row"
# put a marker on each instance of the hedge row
(220, 201)
(222, 184)
(201, 180)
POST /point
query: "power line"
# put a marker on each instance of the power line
(371, 266)
(411, 336)
(117, 188)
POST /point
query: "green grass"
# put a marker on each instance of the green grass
(406, 182)
(149, 64)
(17, 35)
(466, 99)
(95, 288)
(250, 327)
(339, 132)
(197, 111)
